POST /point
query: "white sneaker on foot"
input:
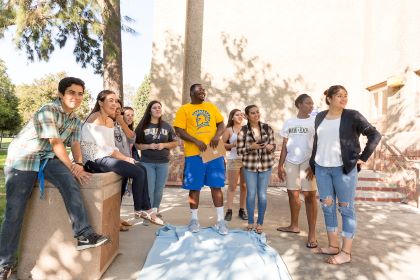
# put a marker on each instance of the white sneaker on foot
(194, 226)
(221, 227)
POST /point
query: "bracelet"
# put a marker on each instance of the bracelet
(79, 163)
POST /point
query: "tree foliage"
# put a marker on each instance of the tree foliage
(142, 97)
(9, 116)
(40, 91)
(41, 26)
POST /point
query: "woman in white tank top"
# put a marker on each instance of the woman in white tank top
(234, 164)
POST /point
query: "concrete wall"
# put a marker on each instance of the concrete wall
(269, 52)
(168, 53)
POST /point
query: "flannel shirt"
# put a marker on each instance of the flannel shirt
(257, 160)
(32, 145)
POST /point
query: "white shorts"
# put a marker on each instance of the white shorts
(296, 177)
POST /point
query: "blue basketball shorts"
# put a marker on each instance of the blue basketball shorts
(198, 174)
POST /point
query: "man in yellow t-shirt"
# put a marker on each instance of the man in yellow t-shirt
(200, 124)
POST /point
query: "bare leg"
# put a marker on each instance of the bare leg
(217, 195)
(242, 196)
(194, 199)
(233, 176)
(345, 254)
(333, 246)
(294, 204)
(311, 213)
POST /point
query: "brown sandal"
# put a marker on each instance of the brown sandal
(125, 223)
(249, 227)
(333, 260)
(123, 227)
(323, 251)
(259, 229)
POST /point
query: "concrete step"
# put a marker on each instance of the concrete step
(371, 175)
(379, 196)
(378, 186)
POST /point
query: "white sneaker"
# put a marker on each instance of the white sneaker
(221, 227)
(194, 226)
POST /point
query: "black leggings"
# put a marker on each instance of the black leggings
(126, 170)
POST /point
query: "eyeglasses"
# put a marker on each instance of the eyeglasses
(74, 94)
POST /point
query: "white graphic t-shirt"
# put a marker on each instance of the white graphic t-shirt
(300, 134)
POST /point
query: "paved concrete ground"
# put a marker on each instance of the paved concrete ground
(387, 245)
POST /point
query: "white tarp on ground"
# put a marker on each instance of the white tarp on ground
(180, 254)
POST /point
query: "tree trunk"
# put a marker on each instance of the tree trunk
(112, 49)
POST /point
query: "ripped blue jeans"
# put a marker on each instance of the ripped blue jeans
(336, 188)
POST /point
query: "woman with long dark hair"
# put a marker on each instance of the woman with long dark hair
(336, 158)
(256, 146)
(101, 155)
(234, 164)
(155, 137)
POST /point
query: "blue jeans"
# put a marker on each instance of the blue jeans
(125, 170)
(19, 185)
(256, 184)
(340, 188)
(157, 175)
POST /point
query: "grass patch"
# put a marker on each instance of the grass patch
(2, 188)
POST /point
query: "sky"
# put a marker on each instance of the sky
(137, 54)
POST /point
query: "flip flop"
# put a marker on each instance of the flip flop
(312, 244)
(285, 229)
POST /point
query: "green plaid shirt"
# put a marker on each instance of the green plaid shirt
(32, 143)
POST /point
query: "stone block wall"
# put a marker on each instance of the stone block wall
(48, 248)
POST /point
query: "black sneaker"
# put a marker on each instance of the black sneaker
(228, 215)
(91, 241)
(5, 272)
(242, 214)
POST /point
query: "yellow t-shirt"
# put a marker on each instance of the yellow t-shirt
(199, 121)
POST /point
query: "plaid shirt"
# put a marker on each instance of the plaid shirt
(258, 160)
(32, 143)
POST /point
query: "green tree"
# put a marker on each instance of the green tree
(10, 119)
(40, 91)
(142, 97)
(94, 26)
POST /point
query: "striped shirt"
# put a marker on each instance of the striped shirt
(256, 160)
(32, 144)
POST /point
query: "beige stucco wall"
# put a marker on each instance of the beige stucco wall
(267, 52)
(168, 59)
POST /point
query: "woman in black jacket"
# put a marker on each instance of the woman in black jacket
(335, 160)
